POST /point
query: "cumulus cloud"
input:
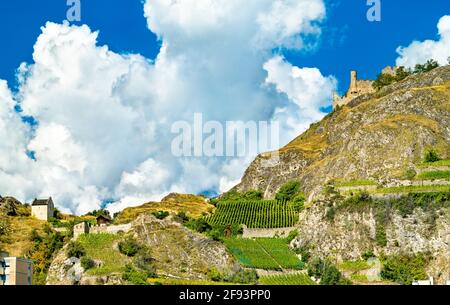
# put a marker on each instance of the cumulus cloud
(418, 52)
(104, 119)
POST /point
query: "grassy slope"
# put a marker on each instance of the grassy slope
(103, 247)
(18, 242)
(263, 253)
(193, 206)
(287, 279)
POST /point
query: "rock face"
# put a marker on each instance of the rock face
(376, 136)
(180, 252)
(352, 233)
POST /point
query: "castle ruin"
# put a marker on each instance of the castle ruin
(357, 88)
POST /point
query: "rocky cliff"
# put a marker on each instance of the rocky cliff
(376, 136)
(342, 232)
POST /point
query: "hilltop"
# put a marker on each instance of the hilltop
(379, 136)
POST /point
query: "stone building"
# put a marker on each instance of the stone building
(42, 209)
(357, 88)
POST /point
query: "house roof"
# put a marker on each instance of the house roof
(103, 217)
(41, 201)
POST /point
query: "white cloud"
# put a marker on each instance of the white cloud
(104, 118)
(307, 89)
(418, 52)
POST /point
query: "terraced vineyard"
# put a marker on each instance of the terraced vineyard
(287, 279)
(263, 253)
(255, 214)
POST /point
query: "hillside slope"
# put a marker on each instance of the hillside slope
(378, 136)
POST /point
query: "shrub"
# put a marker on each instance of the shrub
(304, 253)
(34, 236)
(87, 263)
(428, 66)
(384, 79)
(410, 174)
(367, 255)
(288, 191)
(144, 261)
(431, 156)
(253, 195)
(161, 214)
(327, 272)
(129, 246)
(182, 217)
(241, 276)
(404, 269)
(292, 235)
(299, 202)
(5, 225)
(199, 225)
(75, 249)
(133, 276)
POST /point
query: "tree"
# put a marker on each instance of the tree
(448, 59)
(75, 249)
(383, 80)
(101, 212)
(431, 156)
(129, 246)
(298, 202)
(428, 66)
(253, 195)
(288, 191)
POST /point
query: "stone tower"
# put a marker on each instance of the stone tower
(356, 88)
(353, 82)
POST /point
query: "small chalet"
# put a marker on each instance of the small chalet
(103, 220)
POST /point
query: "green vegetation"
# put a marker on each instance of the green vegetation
(431, 156)
(75, 249)
(412, 189)
(327, 272)
(354, 265)
(254, 214)
(87, 263)
(384, 79)
(264, 253)
(236, 196)
(192, 205)
(97, 213)
(101, 247)
(287, 279)
(288, 191)
(426, 67)
(161, 214)
(410, 174)
(240, 276)
(405, 204)
(298, 203)
(41, 253)
(355, 183)
(135, 277)
(404, 269)
(432, 175)
(129, 246)
(445, 162)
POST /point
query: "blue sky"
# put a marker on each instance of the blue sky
(102, 122)
(349, 41)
